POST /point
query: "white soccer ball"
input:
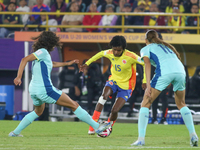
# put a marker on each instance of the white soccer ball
(105, 133)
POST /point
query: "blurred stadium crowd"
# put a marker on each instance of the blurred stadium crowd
(107, 6)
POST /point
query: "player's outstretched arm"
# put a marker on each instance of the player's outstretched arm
(62, 64)
(17, 80)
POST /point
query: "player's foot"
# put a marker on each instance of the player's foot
(91, 132)
(163, 121)
(138, 143)
(194, 141)
(154, 121)
(12, 134)
(103, 126)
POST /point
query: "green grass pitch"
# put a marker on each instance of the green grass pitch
(73, 135)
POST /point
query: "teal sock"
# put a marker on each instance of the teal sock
(143, 121)
(85, 117)
(28, 119)
(187, 117)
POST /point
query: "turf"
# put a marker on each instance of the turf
(73, 135)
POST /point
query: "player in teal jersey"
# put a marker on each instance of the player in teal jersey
(41, 89)
(169, 69)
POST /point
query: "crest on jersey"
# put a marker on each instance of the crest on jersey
(124, 61)
(111, 83)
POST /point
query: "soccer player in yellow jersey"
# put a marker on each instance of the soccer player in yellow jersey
(122, 79)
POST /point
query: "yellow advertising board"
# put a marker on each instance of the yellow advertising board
(81, 37)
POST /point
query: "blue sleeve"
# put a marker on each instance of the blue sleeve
(40, 54)
(145, 52)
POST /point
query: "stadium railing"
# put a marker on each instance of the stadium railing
(123, 26)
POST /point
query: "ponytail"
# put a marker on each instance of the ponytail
(152, 37)
(159, 41)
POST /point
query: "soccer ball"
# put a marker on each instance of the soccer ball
(105, 133)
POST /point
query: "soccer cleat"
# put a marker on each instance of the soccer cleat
(102, 127)
(12, 134)
(194, 141)
(91, 132)
(163, 121)
(138, 143)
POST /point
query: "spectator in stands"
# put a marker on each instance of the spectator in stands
(41, 20)
(127, 9)
(162, 4)
(73, 19)
(58, 6)
(103, 6)
(108, 20)
(192, 20)
(97, 4)
(38, 8)
(174, 3)
(10, 19)
(176, 20)
(2, 8)
(188, 5)
(92, 19)
(82, 6)
(146, 4)
(12, 1)
(155, 20)
(23, 8)
(121, 5)
(31, 3)
(138, 20)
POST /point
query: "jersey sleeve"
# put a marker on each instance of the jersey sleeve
(40, 54)
(97, 56)
(144, 52)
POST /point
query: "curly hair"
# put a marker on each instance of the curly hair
(118, 41)
(47, 40)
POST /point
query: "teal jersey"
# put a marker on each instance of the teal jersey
(163, 58)
(41, 73)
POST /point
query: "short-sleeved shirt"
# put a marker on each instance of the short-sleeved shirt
(41, 73)
(123, 69)
(163, 58)
(36, 9)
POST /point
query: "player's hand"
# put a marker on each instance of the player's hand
(144, 86)
(83, 67)
(148, 92)
(17, 81)
(75, 61)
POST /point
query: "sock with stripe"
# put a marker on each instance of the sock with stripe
(85, 117)
(28, 119)
(95, 117)
(143, 121)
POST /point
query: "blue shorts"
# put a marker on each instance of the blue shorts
(125, 94)
(51, 97)
(161, 82)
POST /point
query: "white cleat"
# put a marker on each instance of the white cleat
(194, 141)
(138, 143)
(12, 134)
(91, 132)
(102, 126)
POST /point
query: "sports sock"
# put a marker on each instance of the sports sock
(95, 117)
(143, 121)
(113, 121)
(85, 117)
(28, 119)
(187, 117)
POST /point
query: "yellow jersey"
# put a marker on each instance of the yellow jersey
(123, 68)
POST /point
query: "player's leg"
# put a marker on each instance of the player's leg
(107, 91)
(144, 116)
(28, 119)
(163, 97)
(154, 110)
(179, 88)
